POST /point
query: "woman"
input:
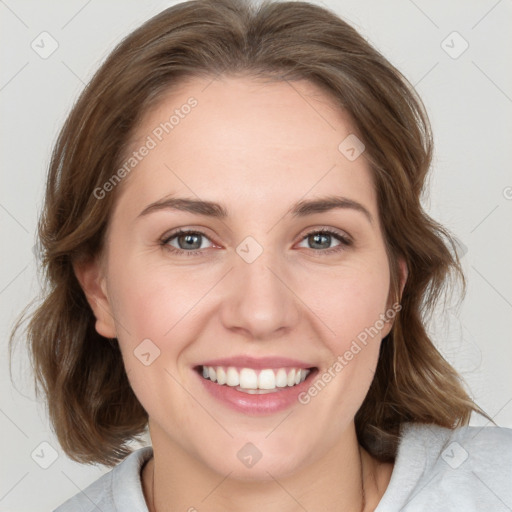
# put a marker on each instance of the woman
(238, 259)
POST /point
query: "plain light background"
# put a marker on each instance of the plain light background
(468, 95)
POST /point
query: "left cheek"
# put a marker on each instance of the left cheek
(355, 361)
(354, 309)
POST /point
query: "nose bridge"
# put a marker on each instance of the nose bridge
(259, 300)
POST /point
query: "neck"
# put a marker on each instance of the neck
(345, 479)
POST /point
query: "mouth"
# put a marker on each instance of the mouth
(255, 381)
(255, 385)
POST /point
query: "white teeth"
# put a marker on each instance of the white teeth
(221, 375)
(281, 378)
(266, 379)
(291, 377)
(249, 380)
(232, 377)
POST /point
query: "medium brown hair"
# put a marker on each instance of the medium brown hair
(91, 405)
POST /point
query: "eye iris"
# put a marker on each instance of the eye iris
(189, 241)
(317, 239)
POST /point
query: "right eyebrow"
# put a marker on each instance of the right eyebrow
(198, 207)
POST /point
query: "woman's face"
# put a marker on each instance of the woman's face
(265, 285)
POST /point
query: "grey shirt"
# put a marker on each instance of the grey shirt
(436, 469)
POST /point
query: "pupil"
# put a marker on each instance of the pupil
(317, 239)
(189, 239)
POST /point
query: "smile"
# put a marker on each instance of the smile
(255, 381)
(255, 386)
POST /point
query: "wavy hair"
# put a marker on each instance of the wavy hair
(92, 408)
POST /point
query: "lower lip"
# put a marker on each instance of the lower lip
(258, 404)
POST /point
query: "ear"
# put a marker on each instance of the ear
(93, 283)
(403, 274)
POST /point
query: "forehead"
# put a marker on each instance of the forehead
(247, 142)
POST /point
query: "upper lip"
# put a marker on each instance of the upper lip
(259, 363)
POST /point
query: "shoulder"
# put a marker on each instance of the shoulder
(461, 443)
(463, 446)
(119, 489)
(443, 469)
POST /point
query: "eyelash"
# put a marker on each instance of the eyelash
(344, 242)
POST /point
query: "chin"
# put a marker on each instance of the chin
(248, 463)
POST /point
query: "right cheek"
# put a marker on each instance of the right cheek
(136, 311)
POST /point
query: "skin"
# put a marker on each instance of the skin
(256, 148)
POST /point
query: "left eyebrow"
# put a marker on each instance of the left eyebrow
(216, 210)
(323, 204)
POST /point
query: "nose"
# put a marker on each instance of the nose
(260, 302)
